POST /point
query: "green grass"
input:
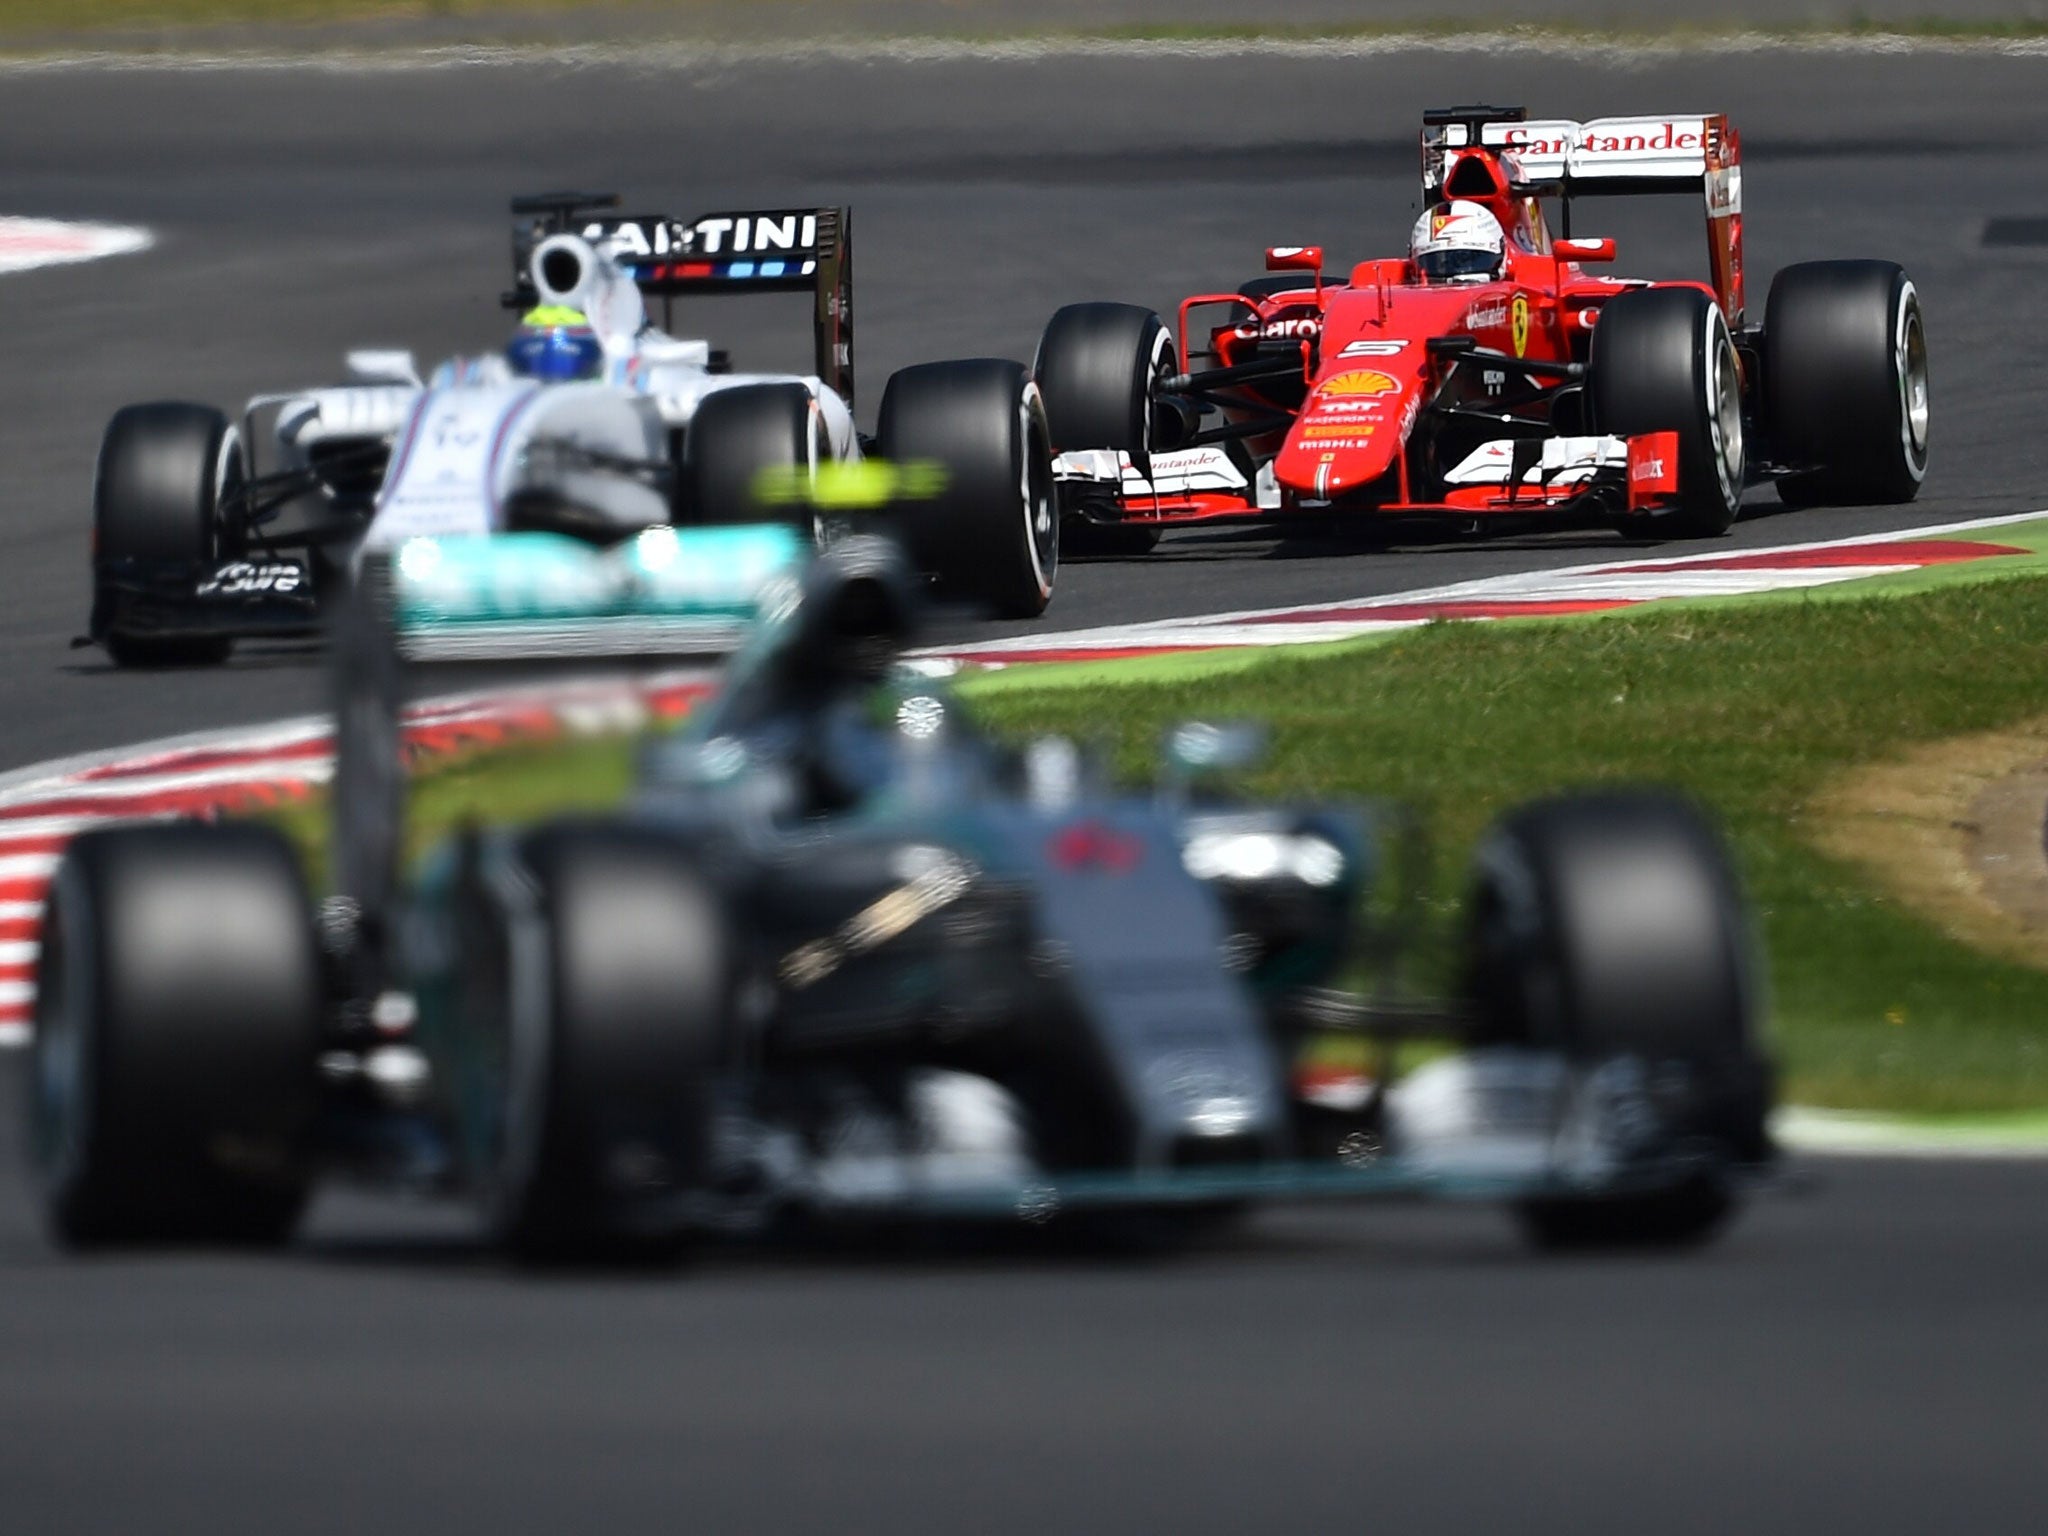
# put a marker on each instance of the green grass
(1751, 707)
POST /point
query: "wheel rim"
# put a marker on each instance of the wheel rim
(1161, 366)
(1041, 514)
(1909, 363)
(230, 471)
(1724, 413)
(58, 1057)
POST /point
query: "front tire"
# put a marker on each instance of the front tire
(991, 534)
(163, 470)
(598, 985)
(1606, 927)
(736, 437)
(1845, 383)
(1097, 365)
(1663, 361)
(178, 1000)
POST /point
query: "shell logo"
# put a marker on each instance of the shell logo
(1359, 382)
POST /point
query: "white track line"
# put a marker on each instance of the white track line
(1570, 582)
(1840, 1133)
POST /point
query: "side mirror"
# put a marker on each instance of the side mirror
(383, 367)
(1583, 250)
(1294, 258)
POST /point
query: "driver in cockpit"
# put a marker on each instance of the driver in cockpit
(555, 344)
(1457, 242)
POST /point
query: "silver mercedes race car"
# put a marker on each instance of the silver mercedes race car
(531, 470)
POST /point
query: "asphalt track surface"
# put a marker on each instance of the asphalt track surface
(1869, 1356)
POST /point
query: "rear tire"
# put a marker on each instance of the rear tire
(1609, 926)
(598, 984)
(735, 437)
(1845, 383)
(1663, 361)
(178, 1000)
(991, 534)
(162, 470)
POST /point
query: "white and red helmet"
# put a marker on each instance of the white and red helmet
(1457, 242)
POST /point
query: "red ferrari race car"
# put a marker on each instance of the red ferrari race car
(1488, 374)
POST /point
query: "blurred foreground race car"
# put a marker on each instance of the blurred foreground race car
(591, 426)
(1488, 375)
(843, 958)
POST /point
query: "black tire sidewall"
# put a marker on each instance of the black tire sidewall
(991, 532)
(1611, 976)
(1653, 368)
(157, 485)
(189, 981)
(1095, 365)
(618, 988)
(734, 435)
(1834, 382)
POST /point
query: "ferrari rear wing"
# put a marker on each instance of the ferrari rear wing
(787, 250)
(1604, 157)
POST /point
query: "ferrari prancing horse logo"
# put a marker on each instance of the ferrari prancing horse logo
(1518, 324)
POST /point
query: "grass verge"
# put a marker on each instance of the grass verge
(1752, 708)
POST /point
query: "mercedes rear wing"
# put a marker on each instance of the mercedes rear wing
(785, 250)
(1604, 157)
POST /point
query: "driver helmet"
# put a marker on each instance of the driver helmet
(1457, 242)
(555, 343)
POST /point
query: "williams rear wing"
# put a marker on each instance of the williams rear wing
(1605, 157)
(785, 250)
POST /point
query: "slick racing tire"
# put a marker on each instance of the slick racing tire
(163, 470)
(741, 439)
(1608, 928)
(597, 985)
(1845, 383)
(1663, 361)
(1097, 366)
(173, 1088)
(990, 532)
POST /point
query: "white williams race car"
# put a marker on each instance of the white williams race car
(532, 469)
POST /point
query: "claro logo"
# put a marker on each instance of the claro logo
(1306, 325)
(1647, 469)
